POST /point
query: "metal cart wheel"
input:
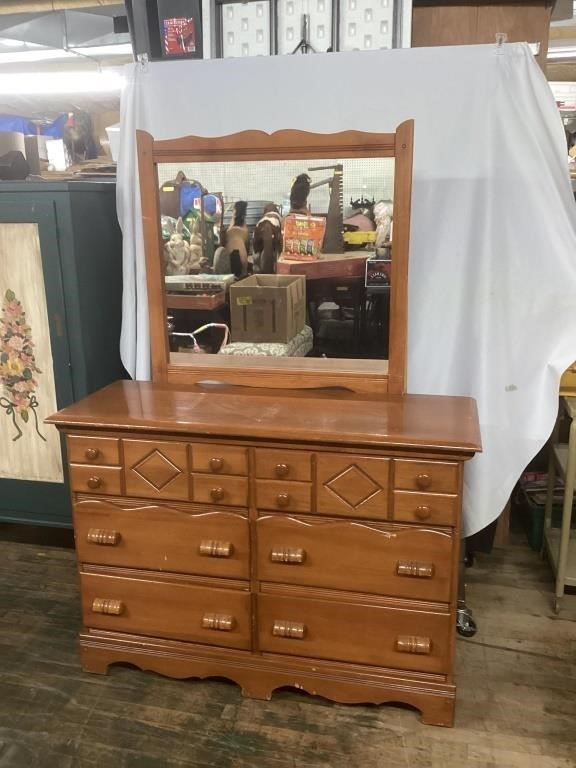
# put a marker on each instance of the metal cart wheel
(465, 624)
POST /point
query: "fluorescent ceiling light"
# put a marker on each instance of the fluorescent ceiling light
(44, 54)
(566, 52)
(48, 83)
(124, 49)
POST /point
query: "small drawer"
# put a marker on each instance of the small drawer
(93, 450)
(160, 538)
(392, 560)
(284, 465)
(104, 480)
(219, 459)
(283, 496)
(428, 476)
(428, 508)
(357, 633)
(178, 611)
(217, 489)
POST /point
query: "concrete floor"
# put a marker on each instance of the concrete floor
(516, 696)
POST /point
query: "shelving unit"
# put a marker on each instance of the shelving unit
(560, 543)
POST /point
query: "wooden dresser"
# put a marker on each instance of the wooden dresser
(273, 538)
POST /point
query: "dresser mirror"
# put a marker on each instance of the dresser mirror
(278, 260)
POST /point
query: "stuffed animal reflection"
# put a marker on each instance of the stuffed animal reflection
(267, 240)
(232, 258)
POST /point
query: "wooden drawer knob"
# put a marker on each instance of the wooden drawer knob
(218, 621)
(282, 470)
(216, 464)
(423, 481)
(211, 548)
(412, 568)
(92, 454)
(103, 537)
(423, 512)
(110, 607)
(290, 629)
(94, 482)
(283, 500)
(413, 644)
(294, 555)
(217, 494)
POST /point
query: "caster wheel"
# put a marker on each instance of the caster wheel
(556, 605)
(465, 624)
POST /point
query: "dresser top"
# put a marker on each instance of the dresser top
(418, 421)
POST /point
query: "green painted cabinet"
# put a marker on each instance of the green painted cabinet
(60, 315)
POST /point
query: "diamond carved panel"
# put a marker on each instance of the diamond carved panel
(352, 486)
(156, 469)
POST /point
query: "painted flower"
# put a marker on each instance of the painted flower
(17, 364)
(16, 343)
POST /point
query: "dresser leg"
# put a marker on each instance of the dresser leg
(438, 711)
(261, 693)
(94, 660)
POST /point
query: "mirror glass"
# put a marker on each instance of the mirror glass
(281, 257)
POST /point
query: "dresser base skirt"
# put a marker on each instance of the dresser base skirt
(259, 675)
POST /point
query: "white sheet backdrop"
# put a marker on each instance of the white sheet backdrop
(493, 248)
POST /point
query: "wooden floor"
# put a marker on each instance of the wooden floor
(516, 703)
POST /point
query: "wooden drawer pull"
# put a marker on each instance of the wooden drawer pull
(291, 629)
(92, 454)
(283, 500)
(294, 555)
(103, 537)
(282, 470)
(94, 482)
(218, 621)
(216, 464)
(423, 481)
(413, 644)
(111, 607)
(423, 512)
(217, 494)
(412, 568)
(211, 548)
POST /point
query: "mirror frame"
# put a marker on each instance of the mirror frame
(373, 377)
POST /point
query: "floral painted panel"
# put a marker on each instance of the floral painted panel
(29, 450)
(18, 369)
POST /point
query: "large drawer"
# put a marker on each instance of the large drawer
(429, 476)
(352, 486)
(397, 561)
(93, 450)
(178, 611)
(162, 538)
(156, 469)
(362, 634)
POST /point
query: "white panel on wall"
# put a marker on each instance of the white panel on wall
(246, 29)
(366, 24)
(290, 24)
